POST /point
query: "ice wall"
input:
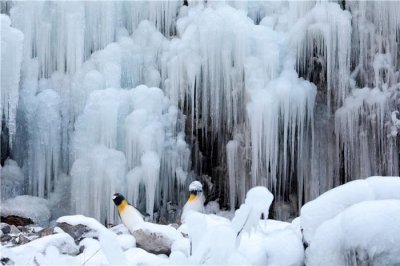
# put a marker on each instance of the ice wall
(295, 96)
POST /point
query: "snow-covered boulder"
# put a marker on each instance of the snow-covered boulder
(29, 207)
(367, 233)
(336, 200)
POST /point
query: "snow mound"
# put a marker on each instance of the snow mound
(80, 219)
(367, 233)
(277, 243)
(257, 203)
(45, 250)
(333, 202)
(34, 208)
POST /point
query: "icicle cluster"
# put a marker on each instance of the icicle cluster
(295, 96)
(11, 57)
(361, 130)
(137, 126)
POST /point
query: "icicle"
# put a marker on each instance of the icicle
(95, 177)
(362, 137)
(145, 128)
(326, 31)
(44, 148)
(280, 120)
(11, 56)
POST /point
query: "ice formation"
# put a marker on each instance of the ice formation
(146, 96)
(11, 57)
(135, 129)
(12, 180)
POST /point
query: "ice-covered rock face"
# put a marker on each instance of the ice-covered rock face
(294, 96)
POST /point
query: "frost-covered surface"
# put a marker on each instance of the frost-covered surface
(333, 202)
(34, 208)
(11, 179)
(365, 233)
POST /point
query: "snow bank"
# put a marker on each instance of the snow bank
(277, 243)
(11, 179)
(37, 209)
(365, 233)
(333, 202)
(51, 249)
(107, 238)
(257, 203)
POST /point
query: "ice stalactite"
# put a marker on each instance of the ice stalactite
(12, 180)
(375, 33)
(11, 57)
(95, 176)
(281, 118)
(44, 149)
(54, 33)
(203, 70)
(63, 34)
(324, 33)
(363, 144)
(142, 126)
(236, 172)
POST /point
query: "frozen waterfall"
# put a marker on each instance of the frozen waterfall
(142, 97)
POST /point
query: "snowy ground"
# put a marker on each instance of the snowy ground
(357, 223)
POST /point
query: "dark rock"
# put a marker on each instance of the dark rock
(6, 229)
(16, 220)
(46, 232)
(75, 231)
(151, 242)
(5, 238)
(23, 240)
(6, 261)
(81, 249)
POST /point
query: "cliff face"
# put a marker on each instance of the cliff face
(143, 97)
